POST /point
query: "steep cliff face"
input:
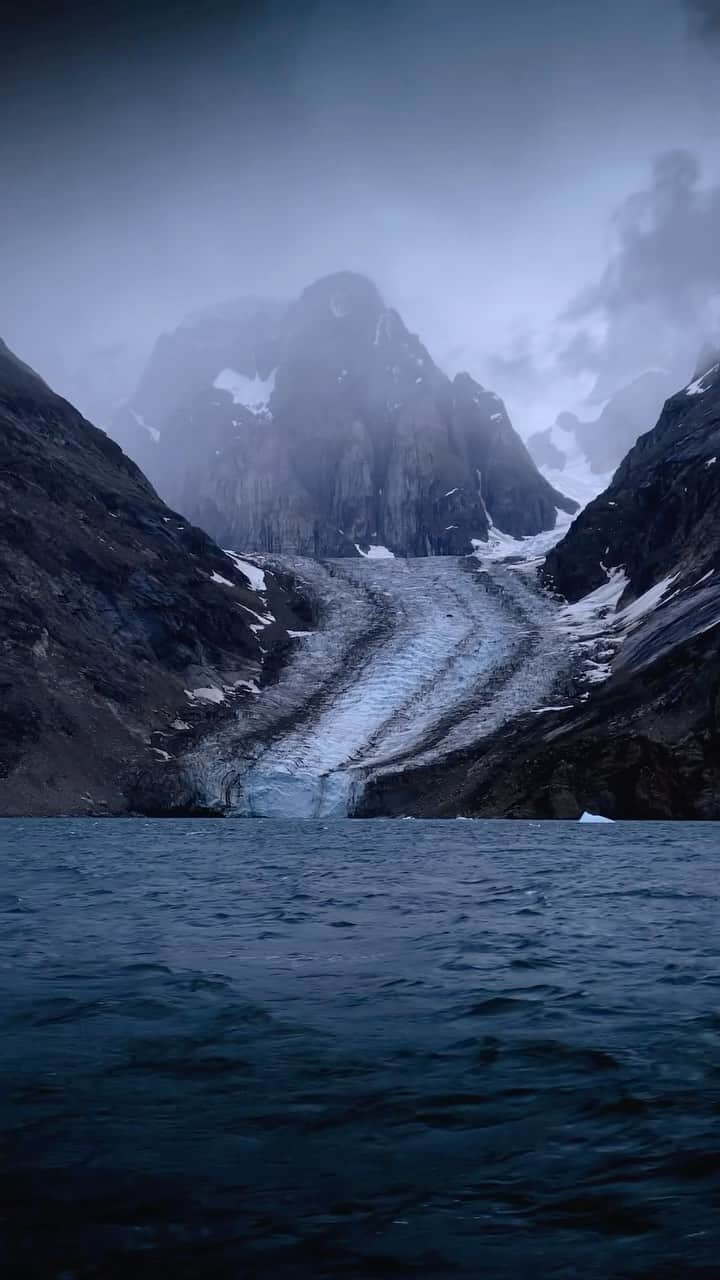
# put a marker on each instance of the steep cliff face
(124, 630)
(336, 435)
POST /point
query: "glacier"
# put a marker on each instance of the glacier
(409, 661)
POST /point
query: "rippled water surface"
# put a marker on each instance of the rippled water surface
(263, 1049)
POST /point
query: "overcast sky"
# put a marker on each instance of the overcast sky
(470, 155)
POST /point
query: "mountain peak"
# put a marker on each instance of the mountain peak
(359, 440)
(343, 293)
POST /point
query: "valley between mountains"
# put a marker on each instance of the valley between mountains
(410, 616)
(409, 661)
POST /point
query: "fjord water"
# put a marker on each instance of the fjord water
(370, 1049)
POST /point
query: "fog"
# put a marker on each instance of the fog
(533, 183)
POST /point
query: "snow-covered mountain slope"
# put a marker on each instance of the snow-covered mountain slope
(331, 432)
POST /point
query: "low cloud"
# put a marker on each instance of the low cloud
(658, 299)
(655, 305)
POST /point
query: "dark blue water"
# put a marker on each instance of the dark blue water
(237, 1049)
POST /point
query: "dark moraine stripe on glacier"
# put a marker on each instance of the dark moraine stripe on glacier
(322, 1050)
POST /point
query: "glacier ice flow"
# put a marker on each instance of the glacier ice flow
(410, 660)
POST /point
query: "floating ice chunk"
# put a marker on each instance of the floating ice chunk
(594, 817)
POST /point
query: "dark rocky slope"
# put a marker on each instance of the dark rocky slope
(112, 607)
(645, 744)
(661, 513)
(336, 431)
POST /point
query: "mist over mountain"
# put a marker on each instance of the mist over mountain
(471, 162)
(325, 428)
(582, 455)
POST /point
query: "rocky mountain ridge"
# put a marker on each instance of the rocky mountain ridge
(331, 432)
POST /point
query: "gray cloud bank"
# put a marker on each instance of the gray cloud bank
(156, 158)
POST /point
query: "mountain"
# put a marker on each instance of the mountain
(331, 432)
(661, 513)
(125, 631)
(641, 568)
(582, 456)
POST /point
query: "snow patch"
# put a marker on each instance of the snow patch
(255, 576)
(375, 552)
(210, 693)
(528, 550)
(152, 431)
(338, 307)
(217, 577)
(262, 619)
(253, 393)
(649, 600)
(249, 685)
(698, 388)
(711, 462)
(383, 328)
